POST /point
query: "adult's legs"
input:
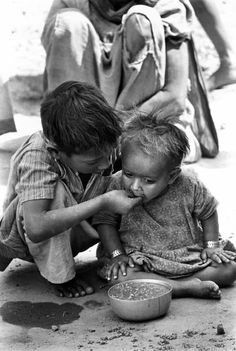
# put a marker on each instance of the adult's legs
(144, 56)
(72, 49)
(209, 16)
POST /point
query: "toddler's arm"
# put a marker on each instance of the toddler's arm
(211, 240)
(112, 245)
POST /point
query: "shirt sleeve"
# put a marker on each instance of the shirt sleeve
(107, 217)
(177, 18)
(37, 179)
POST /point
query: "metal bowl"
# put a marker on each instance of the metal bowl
(140, 299)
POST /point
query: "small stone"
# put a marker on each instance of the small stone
(54, 327)
(220, 329)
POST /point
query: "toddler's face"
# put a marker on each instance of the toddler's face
(88, 162)
(143, 175)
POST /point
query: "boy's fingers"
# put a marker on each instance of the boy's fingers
(136, 200)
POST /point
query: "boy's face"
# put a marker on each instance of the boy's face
(142, 174)
(91, 161)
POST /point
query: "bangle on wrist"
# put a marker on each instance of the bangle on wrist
(210, 244)
(116, 253)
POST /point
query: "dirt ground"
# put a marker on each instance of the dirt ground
(31, 316)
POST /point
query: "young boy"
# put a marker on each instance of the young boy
(173, 234)
(56, 183)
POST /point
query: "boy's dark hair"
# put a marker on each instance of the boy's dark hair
(76, 117)
(156, 135)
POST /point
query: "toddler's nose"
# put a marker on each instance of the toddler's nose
(135, 186)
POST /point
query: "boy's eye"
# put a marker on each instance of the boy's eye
(92, 163)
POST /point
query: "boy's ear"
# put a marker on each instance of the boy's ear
(174, 174)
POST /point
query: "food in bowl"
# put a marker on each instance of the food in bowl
(140, 299)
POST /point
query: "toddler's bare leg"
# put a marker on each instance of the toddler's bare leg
(187, 287)
(223, 274)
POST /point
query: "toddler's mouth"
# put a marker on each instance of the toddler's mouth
(135, 193)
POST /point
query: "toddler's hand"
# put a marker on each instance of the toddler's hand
(119, 264)
(218, 255)
(118, 201)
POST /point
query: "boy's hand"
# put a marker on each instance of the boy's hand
(119, 263)
(218, 255)
(117, 201)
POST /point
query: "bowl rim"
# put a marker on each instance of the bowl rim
(155, 281)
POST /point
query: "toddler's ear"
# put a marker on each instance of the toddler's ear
(174, 174)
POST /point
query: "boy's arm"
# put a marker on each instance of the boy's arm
(42, 223)
(110, 239)
(171, 99)
(212, 248)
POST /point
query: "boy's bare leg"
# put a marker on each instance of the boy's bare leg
(83, 236)
(55, 257)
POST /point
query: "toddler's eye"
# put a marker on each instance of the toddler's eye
(127, 174)
(149, 181)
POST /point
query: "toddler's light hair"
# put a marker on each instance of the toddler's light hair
(156, 136)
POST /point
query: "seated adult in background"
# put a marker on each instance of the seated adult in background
(136, 52)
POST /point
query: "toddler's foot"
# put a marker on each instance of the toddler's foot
(74, 288)
(204, 289)
(225, 75)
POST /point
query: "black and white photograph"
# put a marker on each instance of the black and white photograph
(117, 119)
